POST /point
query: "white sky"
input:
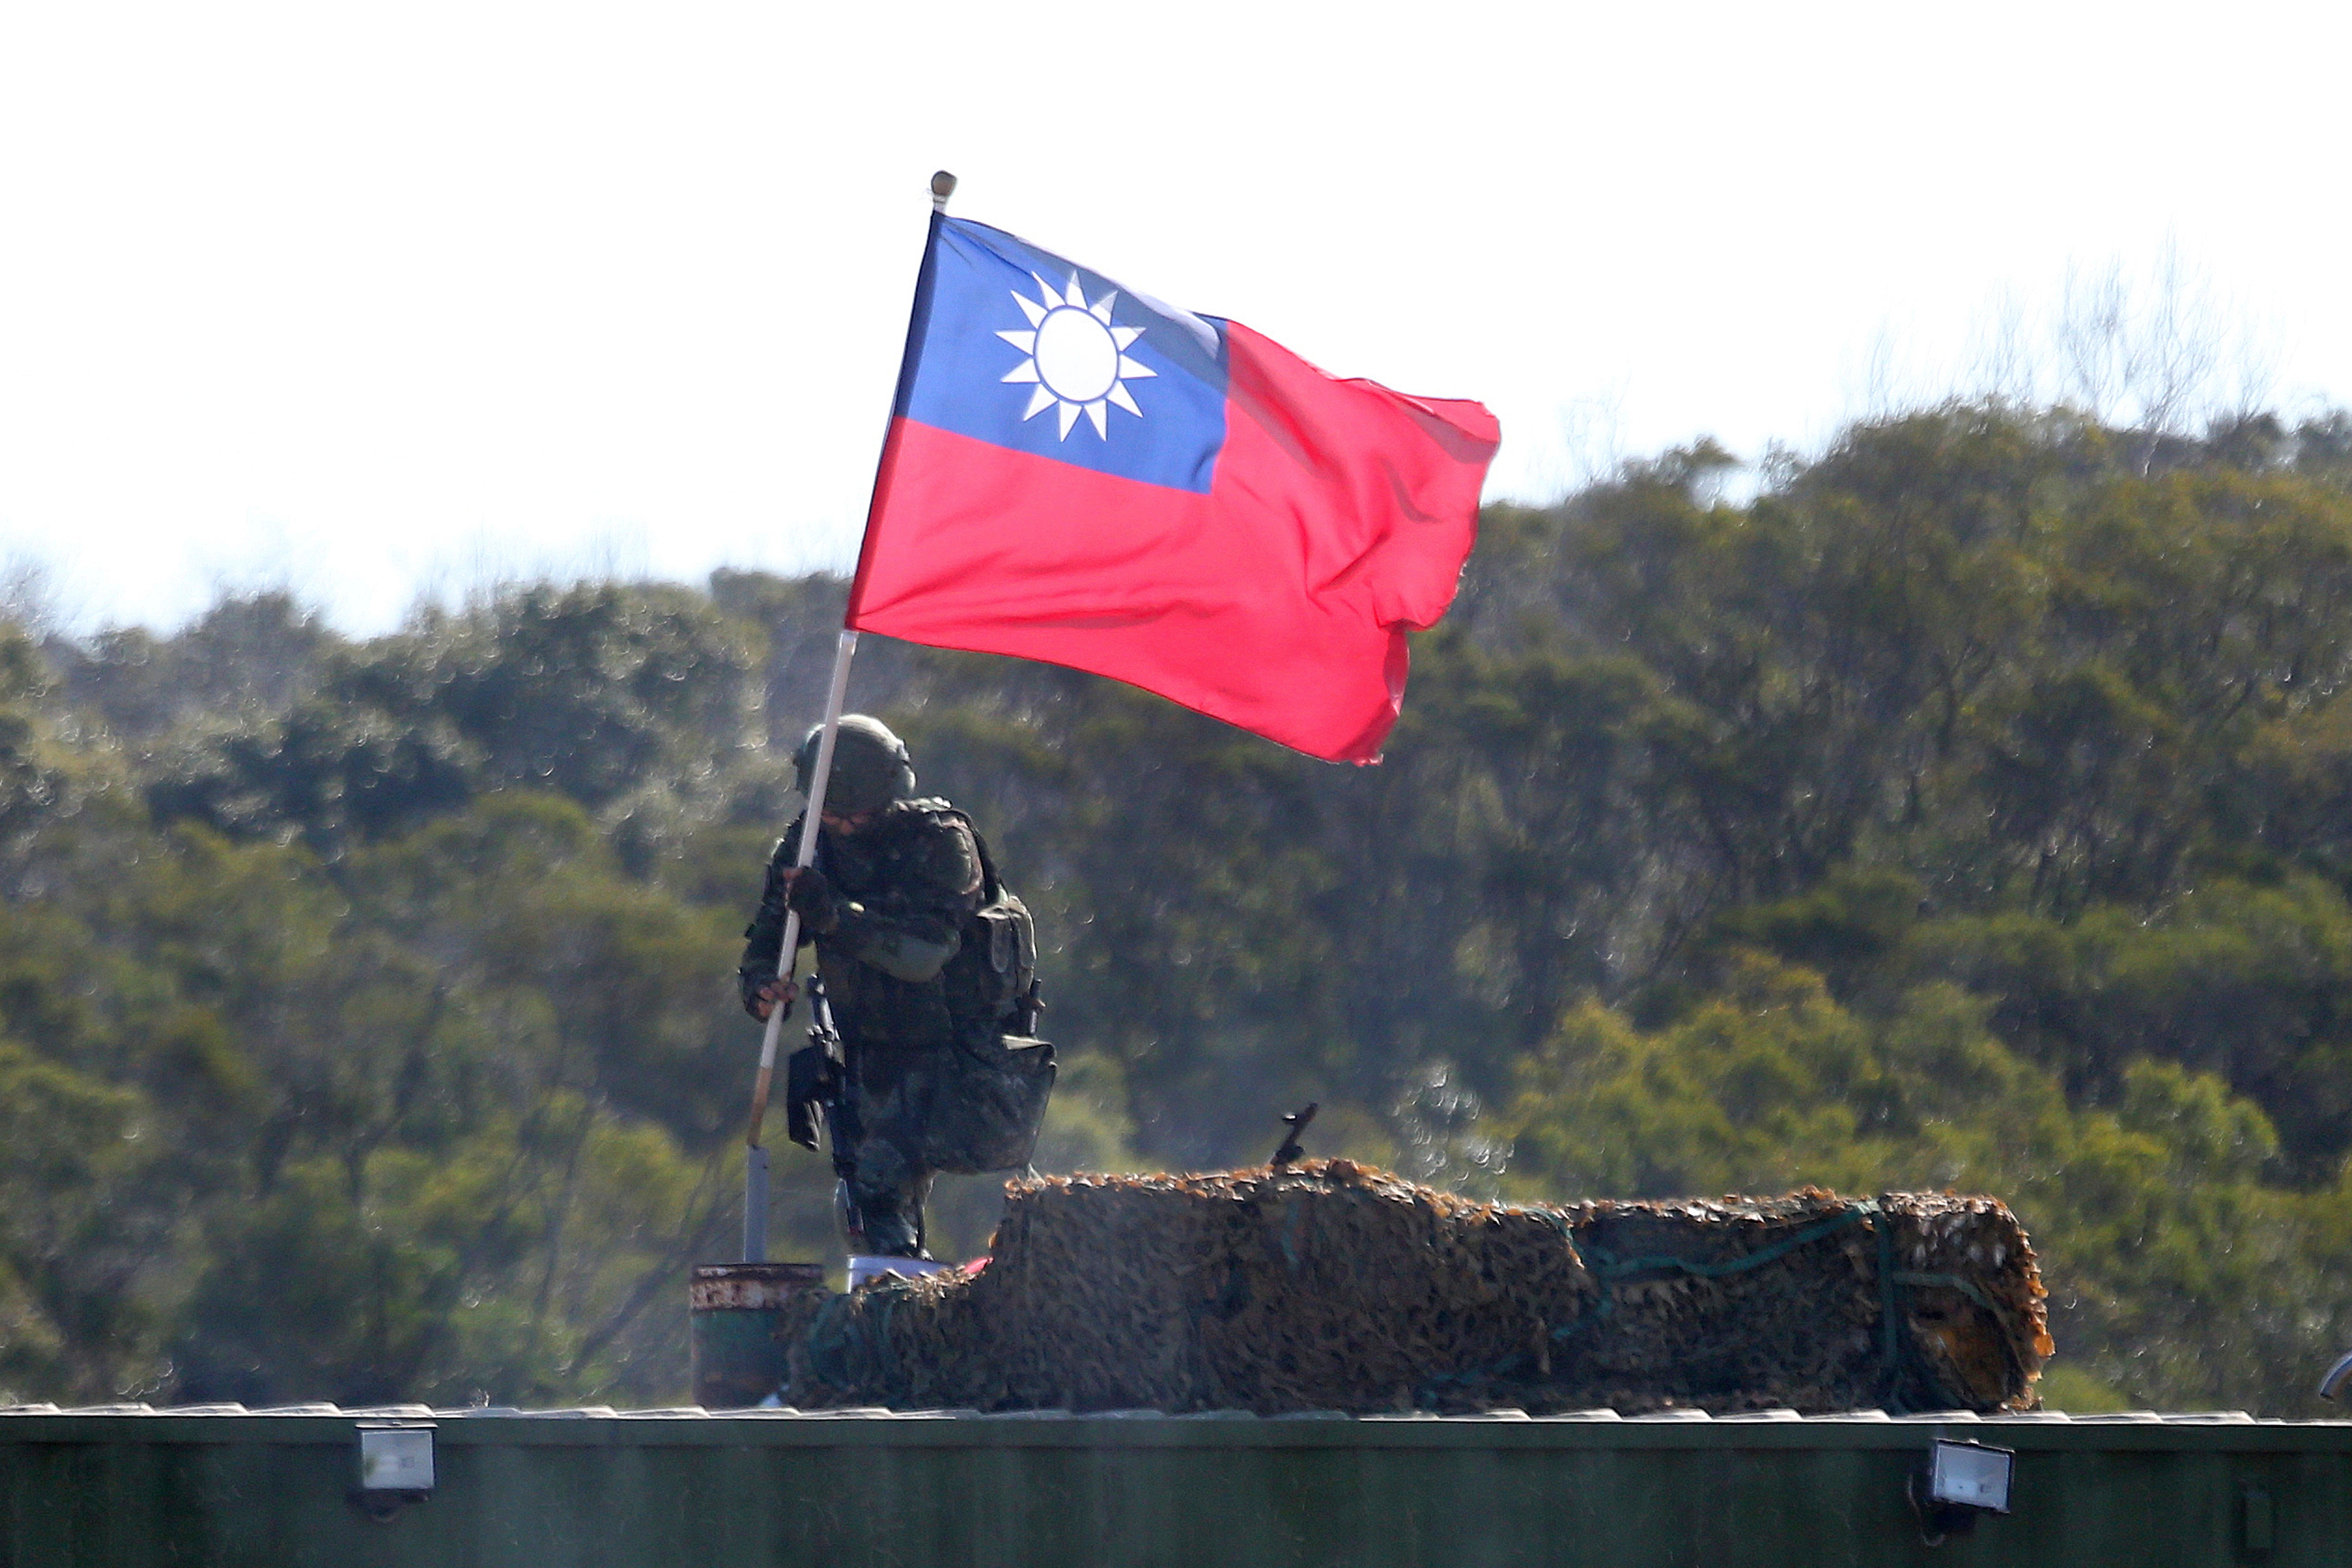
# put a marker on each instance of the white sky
(376, 300)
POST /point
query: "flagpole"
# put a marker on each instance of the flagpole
(755, 1164)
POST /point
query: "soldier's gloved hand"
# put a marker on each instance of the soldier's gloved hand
(813, 900)
(763, 996)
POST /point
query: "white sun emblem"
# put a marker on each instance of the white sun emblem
(1076, 357)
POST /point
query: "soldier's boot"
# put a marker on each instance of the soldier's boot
(892, 1229)
(887, 1193)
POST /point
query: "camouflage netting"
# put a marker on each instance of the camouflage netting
(1332, 1286)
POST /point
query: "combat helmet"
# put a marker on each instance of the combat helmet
(870, 766)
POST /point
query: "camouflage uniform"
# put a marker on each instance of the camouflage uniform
(902, 891)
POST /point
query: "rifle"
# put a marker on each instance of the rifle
(813, 1075)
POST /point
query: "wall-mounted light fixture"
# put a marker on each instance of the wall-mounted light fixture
(1959, 1481)
(396, 1467)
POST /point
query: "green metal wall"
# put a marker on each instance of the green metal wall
(757, 1489)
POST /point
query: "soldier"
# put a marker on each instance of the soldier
(926, 961)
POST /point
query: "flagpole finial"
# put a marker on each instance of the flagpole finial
(943, 186)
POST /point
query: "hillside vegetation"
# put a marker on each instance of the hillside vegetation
(1970, 807)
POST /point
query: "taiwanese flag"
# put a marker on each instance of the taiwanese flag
(1081, 474)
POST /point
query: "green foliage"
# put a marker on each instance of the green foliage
(68, 1155)
(1972, 805)
(446, 1118)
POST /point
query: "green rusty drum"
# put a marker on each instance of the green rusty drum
(735, 1310)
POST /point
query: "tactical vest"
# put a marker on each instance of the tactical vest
(996, 1078)
(1002, 940)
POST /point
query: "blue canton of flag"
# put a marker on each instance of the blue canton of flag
(1017, 347)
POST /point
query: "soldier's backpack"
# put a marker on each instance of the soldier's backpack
(990, 1103)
